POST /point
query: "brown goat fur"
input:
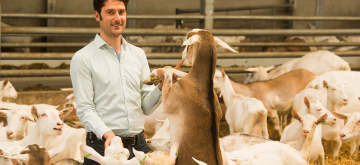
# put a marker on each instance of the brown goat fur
(193, 108)
(277, 92)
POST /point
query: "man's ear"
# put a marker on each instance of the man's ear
(97, 16)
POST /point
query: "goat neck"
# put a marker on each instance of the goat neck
(227, 92)
(332, 106)
(205, 60)
(36, 137)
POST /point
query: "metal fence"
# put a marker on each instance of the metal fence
(207, 17)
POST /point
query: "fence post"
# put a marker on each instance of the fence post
(319, 12)
(209, 14)
(50, 22)
(131, 11)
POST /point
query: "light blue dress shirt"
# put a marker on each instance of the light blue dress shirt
(109, 91)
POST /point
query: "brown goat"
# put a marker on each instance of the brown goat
(277, 92)
(191, 104)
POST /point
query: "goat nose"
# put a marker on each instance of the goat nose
(9, 132)
(334, 119)
(60, 123)
(342, 135)
(306, 131)
(346, 100)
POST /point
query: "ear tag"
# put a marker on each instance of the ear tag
(65, 111)
(143, 160)
(87, 155)
(177, 155)
(323, 122)
(13, 154)
(34, 110)
(250, 163)
(345, 117)
(296, 117)
(190, 40)
(307, 104)
(230, 46)
(326, 86)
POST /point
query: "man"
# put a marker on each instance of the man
(107, 76)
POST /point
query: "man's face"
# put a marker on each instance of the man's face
(113, 20)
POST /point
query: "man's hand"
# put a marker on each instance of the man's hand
(108, 136)
(160, 73)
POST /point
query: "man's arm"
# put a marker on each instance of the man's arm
(81, 79)
(150, 95)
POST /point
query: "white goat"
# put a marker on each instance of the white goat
(19, 122)
(351, 131)
(158, 157)
(33, 154)
(7, 90)
(318, 62)
(278, 153)
(243, 114)
(239, 141)
(115, 154)
(317, 152)
(352, 81)
(161, 140)
(48, 126)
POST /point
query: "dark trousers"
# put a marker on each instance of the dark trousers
(98, 146)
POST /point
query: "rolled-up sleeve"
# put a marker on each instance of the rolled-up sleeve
(151, 96)
(81, 78)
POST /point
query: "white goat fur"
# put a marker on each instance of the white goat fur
(318, 62)
(243, 114)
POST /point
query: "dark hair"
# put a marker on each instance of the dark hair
(98, 4)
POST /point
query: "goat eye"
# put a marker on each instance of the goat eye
(23, 117)
(43, 115)
(319, 109)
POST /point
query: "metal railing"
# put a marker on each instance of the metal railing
(72, 31)
(64, 31)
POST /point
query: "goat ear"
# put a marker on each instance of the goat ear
(21, 157)
(295, 115)
(174, 150)
(57, 150)
(269, 68)
(3, 113)
(322, 119)
(34, 113)
(5, 82)
(65, 112)
(90, 153)
(342, 116)
(325, 84)
(193, 39)
(160, 121)
(29, 118)
(199, 162)
(142, 157)
(223, 72)
(224, 45)
(307, 102)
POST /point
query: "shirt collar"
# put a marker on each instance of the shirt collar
(100, 42)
